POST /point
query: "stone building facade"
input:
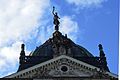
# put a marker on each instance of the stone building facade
(59, 58)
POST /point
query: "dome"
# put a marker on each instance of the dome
(74, 50)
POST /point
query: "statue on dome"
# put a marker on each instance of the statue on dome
(56, 21)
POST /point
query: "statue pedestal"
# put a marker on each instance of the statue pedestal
(57, 33)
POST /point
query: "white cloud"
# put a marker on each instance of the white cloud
(9, 57)
(19, 20)
(86, 3)
(46, 33)
(69, 26)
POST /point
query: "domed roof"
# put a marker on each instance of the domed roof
(65, 45)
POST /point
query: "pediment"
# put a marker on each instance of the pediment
(62, 66)
(65, 70)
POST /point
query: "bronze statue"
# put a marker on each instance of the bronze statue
(56, 21)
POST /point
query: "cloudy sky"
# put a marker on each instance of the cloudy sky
(87, 23)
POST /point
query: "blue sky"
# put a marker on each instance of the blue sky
(87, 22)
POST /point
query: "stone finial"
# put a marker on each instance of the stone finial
(22, 47)
(102, 60)
(101, 50)
(65, 35)
(100, 46)
(22, 54)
